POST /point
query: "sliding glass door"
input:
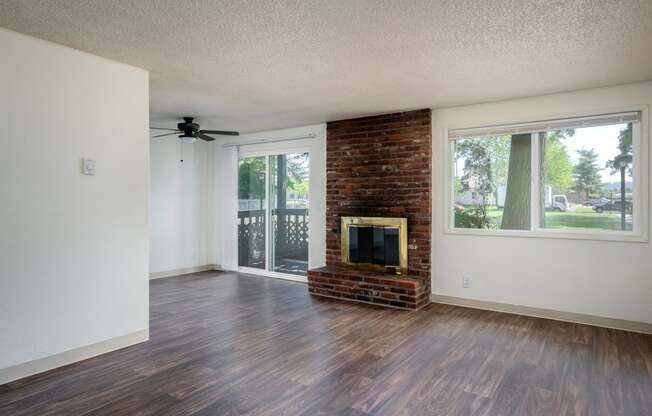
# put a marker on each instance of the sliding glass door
(273, 214)
(252, 212)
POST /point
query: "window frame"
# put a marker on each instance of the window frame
(640, 213)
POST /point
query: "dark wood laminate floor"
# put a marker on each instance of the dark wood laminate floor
(223, 344)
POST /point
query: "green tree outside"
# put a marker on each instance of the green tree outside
(624, 158)
(558, 168)
(251, 178)
(587, 172)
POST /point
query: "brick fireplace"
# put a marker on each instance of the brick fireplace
(378, 166)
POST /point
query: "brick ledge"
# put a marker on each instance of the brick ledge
(383, 289)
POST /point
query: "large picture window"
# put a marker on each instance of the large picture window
(577, 176)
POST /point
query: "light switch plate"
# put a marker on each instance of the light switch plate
(466, 281)
(88, 166)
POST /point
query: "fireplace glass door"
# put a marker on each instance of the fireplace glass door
(273, 214)
(374, 245)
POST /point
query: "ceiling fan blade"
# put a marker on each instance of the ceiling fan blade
(220, 132)
(202, 136)
(161, 128)
(167, 134)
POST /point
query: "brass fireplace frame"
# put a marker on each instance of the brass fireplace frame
(385, 222)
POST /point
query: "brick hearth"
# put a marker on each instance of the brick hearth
(406, 292)
(378, 166)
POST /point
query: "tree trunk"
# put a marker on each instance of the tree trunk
(623, 206)
(543, 148)
(516, 215)
(281, 181)
(281, 201)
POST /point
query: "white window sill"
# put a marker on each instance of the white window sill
(566, 234)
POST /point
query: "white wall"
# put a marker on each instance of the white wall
(73, 248)
(179, 221)
(223, 247)
(193, 206)
(601, 278)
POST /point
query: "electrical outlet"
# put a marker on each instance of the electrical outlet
(88, 166)
(466, 281)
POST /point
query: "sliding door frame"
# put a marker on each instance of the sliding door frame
(244, 153)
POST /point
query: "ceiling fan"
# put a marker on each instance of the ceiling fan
(190, 132)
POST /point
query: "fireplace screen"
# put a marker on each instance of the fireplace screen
(374, 242)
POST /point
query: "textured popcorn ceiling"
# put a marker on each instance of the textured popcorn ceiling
(262, 64)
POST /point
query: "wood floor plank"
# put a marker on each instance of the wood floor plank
(540, 402)
(233, 344)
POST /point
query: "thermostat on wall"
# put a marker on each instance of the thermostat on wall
(88, 166)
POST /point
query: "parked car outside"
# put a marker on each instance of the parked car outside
(594, 202)
(613, 206)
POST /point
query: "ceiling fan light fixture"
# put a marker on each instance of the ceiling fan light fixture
(187, 139)
(190, 132)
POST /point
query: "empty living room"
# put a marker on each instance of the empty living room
(325, 207)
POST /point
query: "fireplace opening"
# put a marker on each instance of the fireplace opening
(375, 243)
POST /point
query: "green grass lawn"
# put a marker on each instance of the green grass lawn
(582, 217)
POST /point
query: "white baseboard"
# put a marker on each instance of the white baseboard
(71, 356)
(579, 318)
(186, 270)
